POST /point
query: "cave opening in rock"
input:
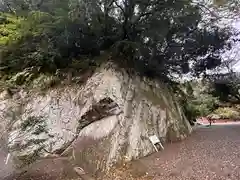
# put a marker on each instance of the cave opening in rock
(104, 108)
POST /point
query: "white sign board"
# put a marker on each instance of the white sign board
(155, 140)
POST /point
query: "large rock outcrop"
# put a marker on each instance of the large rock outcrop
(104, 122)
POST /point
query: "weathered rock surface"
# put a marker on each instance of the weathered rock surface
(102, 123)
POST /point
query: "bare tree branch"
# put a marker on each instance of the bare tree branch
(120, 7)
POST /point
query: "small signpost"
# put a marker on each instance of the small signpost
(155, 141)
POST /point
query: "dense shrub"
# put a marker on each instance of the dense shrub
(45, 41)
(195, 100)
(226, 113)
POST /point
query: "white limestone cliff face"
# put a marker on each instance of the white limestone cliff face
(102, 123)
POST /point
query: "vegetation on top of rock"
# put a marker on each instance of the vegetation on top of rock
(156, 39)
(9, 25)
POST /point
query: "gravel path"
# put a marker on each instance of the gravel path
(208, 154)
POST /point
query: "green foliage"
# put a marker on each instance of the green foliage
(48, 42)
(226, 86)
(155, 38)
(32, 122)
(9, 25)
(227, 92)
(195, 100)
(206, 104)
(226, 113)
(21, 78)
(45, 81)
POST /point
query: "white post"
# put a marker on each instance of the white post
(161, 145)
(155, 147)
(7, 159)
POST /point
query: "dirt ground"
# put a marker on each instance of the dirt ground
(210, 153)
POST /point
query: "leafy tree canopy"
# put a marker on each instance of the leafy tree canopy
(155, 38)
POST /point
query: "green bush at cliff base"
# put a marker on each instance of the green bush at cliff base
(196, 102)
(226, 113)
